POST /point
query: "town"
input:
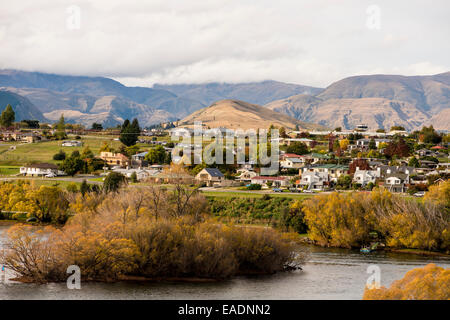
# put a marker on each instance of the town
(309, 161)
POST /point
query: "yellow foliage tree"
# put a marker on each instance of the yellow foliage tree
(428, 283)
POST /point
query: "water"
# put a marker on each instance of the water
(327, 274)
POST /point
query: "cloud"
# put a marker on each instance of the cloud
(143, 42)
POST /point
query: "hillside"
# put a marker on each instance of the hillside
(235, 114)
(252, 92)
(23, 108)
(53, 94)
(379, 101)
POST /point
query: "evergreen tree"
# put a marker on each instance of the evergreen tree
(129, 133)
(8, 116)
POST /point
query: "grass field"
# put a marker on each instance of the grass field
(44, 151)
(9, 170)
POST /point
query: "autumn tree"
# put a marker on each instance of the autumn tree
(362, 164)
(398, 147)
(428, 283)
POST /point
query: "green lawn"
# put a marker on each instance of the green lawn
(9, 170)
(44, 151)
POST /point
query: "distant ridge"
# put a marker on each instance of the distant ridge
(380, 101)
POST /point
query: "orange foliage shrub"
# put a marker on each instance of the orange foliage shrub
(428, 283)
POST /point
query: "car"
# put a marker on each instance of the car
(419, 194)
(308, 191)
(50, 175)
(277, 190)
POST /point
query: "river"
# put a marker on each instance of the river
(327, 274)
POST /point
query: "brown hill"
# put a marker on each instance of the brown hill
(235, 114)
(380, 101)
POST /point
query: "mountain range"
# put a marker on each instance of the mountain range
(380, 101)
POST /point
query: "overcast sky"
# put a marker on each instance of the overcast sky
(141, 42)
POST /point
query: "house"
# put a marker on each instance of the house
(172, 177)
(308, 142)
(380, 141)
(397, 182)
(246, 175)
(333, 170)
(293, 163)
(316, 181)
(72, 143)
(317, 157)
(386, 170)
(40, 169)
(114, 159)
(424, 152)
(364, 177)
(139, 159)
(273, 181)
(210, 176)
(141, 174)
(363, 143)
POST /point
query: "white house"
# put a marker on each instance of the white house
(246, 175)
(292, 163)
(365, 177)
(141, 174)
(397, 182)
(314, 180)
(275, 181)
(40, 169)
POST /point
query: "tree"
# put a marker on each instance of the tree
(297, 148)
(97, 126)
(113, 182)
(372, 144)
(428, 283)
(429, 135)
(61, 128)
(413, 162)
(61, 155)
(156, 155)
(397, 128)
(397, 147)
(8, 116)
(73, 164)
(87, 153)
(105, 147)
(343, 144)
(129, 133)
(133, 177)
(132, 150)
(362, 164)
(344, 181)
(283, 132)
(84, 187)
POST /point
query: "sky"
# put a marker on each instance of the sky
(142, 42)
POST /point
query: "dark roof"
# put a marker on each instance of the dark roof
(214, 172)
(43, 166)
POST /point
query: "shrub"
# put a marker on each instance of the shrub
(61, 155)
(254, 186)
(428, 283)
